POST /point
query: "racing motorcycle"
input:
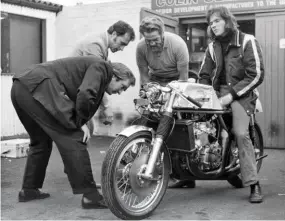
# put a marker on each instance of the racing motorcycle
(184, 133)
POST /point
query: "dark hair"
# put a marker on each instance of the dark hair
(121, 28)
(231, 23)
(122, 72)
(152, 23)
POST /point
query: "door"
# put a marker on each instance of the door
(171, 24)
(270, 30)
(25, 42)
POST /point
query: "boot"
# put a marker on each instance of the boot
(255, 193)
(93, 201)
(31, 194)
(174, 183)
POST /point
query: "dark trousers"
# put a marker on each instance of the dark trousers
(43, 129)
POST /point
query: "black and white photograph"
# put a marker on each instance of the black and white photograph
(142, 110)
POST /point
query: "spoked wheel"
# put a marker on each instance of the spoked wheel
(258, 149)
(127, 193)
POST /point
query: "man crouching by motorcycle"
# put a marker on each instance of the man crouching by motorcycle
(233, 64)
(161, 57)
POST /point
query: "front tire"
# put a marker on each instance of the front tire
(259, 150)
(126, 194)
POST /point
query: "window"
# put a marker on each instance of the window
(197, 41)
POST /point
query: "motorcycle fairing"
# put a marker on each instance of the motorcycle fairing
(202, 93)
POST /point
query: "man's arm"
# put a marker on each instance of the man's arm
(182, 56)
(142, 64)
(183, 71)
(87, 95)
(206, 68)
(144, 76)
(254, 69)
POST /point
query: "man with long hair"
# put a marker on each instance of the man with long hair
(233, 64)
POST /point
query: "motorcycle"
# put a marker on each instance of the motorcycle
(184, 133)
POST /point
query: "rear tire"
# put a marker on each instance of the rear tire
(236, 180)
(111, 185)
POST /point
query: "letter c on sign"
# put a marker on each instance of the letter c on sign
(160, 3)
(170, 2)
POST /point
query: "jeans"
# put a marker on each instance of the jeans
(240, 124)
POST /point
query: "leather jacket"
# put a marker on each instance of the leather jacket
(243, 66)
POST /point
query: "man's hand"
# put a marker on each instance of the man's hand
(108, 116)
(142, 93)
(226, 100)
(86, 132)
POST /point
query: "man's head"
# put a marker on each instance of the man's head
(120, 34)
(122, 79)
(221, 21)
(152, 28)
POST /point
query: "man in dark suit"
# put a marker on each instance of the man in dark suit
(54, 101)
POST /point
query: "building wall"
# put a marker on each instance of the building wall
(10, 123)
(270, 29)
(74, 22)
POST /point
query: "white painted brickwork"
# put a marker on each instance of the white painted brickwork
(10, 123)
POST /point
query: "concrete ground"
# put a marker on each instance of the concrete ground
(210, 200)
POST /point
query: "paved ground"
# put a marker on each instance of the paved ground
(208, 201)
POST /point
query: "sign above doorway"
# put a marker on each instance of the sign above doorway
(199, 7)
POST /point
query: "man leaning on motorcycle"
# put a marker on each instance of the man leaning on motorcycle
(236, 59)
(161, 57)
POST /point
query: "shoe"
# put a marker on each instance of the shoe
(255, 193)
(174, 183)
(31, 194)
(87, 203)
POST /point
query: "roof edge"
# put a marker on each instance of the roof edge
(36, 4)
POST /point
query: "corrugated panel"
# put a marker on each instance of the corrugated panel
(269, 30)
(10, 123)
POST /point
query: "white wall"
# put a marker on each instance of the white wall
(10, 123)
(73, 22)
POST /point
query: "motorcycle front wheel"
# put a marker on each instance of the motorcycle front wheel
(127, 194)
(258, 149)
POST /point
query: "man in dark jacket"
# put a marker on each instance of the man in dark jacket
(54, 101)
(233, 64)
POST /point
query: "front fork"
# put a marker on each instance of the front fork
(161, 133)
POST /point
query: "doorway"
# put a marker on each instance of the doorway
(197, 39)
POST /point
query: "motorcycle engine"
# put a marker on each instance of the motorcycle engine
(208, 153)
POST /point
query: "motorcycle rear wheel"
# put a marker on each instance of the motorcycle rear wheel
(127, 195)
(236, 180)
